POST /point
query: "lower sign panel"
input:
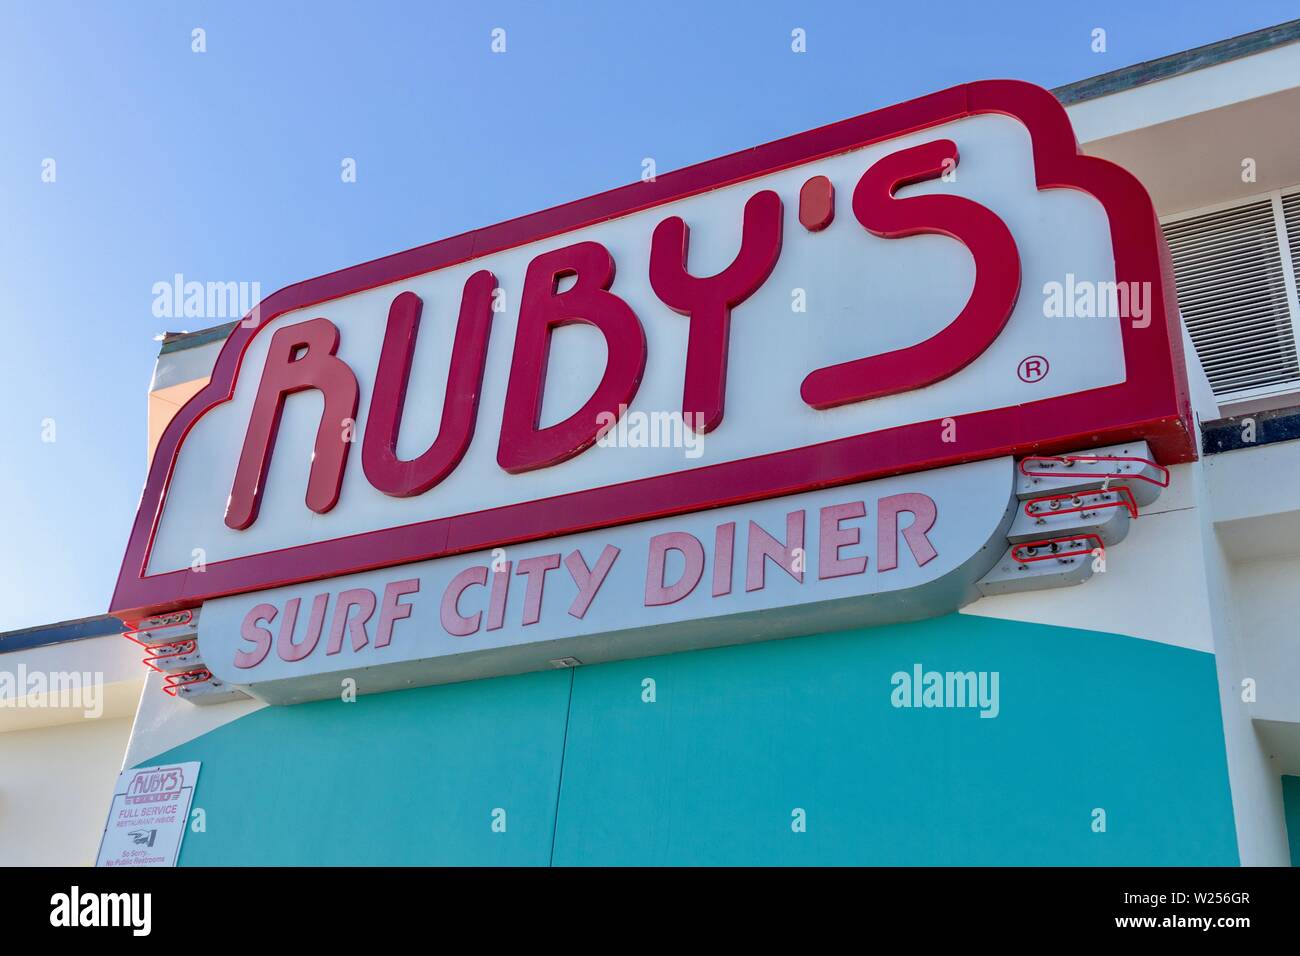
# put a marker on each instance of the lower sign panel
(879, 552)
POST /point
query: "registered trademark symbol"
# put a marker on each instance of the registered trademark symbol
(1033, 369)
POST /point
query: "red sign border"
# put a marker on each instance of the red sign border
(1152, 404)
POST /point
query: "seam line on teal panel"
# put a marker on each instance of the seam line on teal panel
(564, 747)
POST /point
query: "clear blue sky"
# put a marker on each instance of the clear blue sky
(225, 165)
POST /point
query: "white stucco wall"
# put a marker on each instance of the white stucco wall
(56, 785)
(58, 764)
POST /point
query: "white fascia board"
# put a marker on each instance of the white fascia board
(112, 662)
(185, 365)
(1254, 482)
(1223, 84)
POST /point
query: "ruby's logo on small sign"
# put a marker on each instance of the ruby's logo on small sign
(158, 785)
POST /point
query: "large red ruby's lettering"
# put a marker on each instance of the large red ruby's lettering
(387, 472)
(542, 309)
(997, 279)
(299, 357)
(709, 300)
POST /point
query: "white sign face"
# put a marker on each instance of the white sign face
(151, 809)
(939, 282)
(863, 295)
(901, 548)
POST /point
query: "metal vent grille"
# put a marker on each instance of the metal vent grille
(1236, 291)
(1291, 223)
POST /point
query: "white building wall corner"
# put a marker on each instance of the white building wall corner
(1257, 806)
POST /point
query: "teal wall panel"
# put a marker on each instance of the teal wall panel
(404, 778)
(1291, 806)
(739, 737)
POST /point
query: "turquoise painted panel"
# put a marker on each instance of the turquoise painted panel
(404, 778)
(738, 738)
(735, 741)
(1291, 807)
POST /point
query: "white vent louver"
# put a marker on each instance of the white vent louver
(1237, 293)
(1291, 224)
